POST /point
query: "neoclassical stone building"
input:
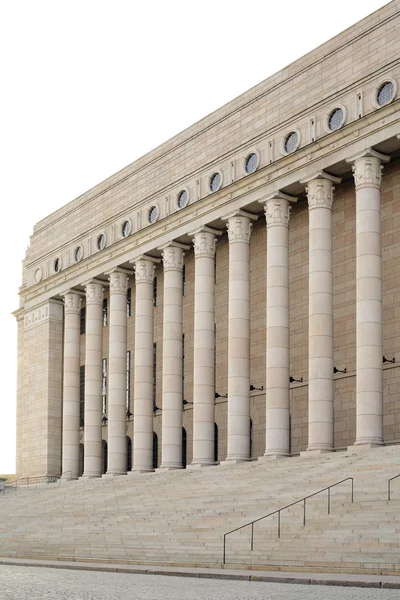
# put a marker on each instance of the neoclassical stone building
(233, 293)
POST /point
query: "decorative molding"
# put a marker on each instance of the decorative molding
(118, 282)
(204, 243)
(72, 303)
(277, 212)
(50, 311)
(367, 168)
(320, 190)
(94, 293)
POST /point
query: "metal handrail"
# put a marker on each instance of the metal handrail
(278, 512)
(389, 486)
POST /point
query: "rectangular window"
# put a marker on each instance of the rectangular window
(183, 367)
(129, 302)
(82, 396)
(105, 312)
(184, 280)
(128, 382)
(154, 376)
(155, 291)
(83, 320)
(104, 386)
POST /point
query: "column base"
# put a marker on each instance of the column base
(86, 477)
(234, 461)
(359, 447)
(272, 456)
(110, 475)
(68, 479)
(168, 468)
(315, 452)
(200, 465)
(140, 472)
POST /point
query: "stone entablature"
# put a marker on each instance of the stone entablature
(271, 110)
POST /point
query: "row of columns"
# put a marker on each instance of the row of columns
(369, 339)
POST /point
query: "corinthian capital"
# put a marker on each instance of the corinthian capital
(367, 168)
(118, 282)
(320, 190)
(204, 242)
(72, 303)
(94, 293)
(239, 226)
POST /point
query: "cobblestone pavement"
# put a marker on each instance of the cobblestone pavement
(37, 583)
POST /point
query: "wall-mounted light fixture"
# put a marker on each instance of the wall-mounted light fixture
(292, 380)
(391, 360)
(336, 370)
(220, 395)
(253, 387)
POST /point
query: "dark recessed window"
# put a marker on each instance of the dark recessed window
(128, 383)
(291, 142)
(215, 442)
(82, 396)
(215, 182)
(154, 376)
(128, 454)
(155, 291)
(183, 368)
(184, 280)
(153, 214)
(336, 119)
(104, 387)
(184, 447)
(183, 199)
(83, 320)
(57, 265)
(251, 163)
(385, 93)
(101, 242)
(126, 228)
(78, 254)
(155, 450)
(129, 302)
(105, 312)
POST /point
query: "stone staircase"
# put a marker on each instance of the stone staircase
(180, 517)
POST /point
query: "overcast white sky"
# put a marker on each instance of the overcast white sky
(88, 86)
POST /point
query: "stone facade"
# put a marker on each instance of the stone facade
(293, 189)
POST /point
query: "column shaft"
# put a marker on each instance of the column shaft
(239, 229)
(171, 457)
(71, 387)
(320, 339)
(277, 210)
(93, 380)
(117, 459)
(143, 386)
(369, 323)
(204, 349)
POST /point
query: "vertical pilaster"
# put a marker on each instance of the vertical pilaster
(117, 374)
(320, 325)
(204, 347)
(277, 212)
(93, 380)
(239, 230)
(171, 457)
(143, 386)
(369, 323)
(71, 386)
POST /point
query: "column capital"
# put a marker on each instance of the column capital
(204, 241)
(144, 268)
(172, 255)
(320, 190)
(367, 168)
(239, 225)
(118, 282)
(277, 208)
(94, 291)
(72, 302)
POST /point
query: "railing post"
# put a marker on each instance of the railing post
(252, 536)
(304, 513)
(279, 523)
(329, 500)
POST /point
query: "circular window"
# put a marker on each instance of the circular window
(336, 119)
(251, 163)
(57, 265)
(153, 214)
(183, 198)
(38, 275)
(78, 254)
(385, 93)
(215, 181)
(101, 242)
(291, 142)
(126, 228)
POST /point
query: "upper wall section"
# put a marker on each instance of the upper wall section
(343, 72)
